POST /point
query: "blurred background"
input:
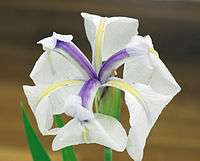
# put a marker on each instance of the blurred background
(175, 29)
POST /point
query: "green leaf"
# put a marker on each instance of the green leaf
(68, 153)
(110, 104)
(37, 150)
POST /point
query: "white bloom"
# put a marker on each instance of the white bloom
(66, 82)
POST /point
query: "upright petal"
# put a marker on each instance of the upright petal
(103, 130)
(108, 35)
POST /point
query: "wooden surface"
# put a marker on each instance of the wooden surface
(175, 27)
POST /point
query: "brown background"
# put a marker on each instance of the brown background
(175, 28)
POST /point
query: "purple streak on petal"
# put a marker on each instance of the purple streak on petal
(77, 55)
(109, 65)
(86, 91)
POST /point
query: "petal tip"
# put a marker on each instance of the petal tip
(84, 14)
(65, 38)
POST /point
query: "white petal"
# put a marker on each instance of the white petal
(137, 46)
(70, 134)
(148, 40)
(109, 132)
(162, 80)
(103, 130)
(138, 69)
(118, 32)
(91, 23)
(49, 105)
(32, 92)
(65, 38)
(44, 116)
(149, 70)
(53, 67)
(57, 98)
(140, 124)
(49, 43)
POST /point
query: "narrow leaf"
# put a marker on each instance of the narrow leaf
(37, 150)
(68, 153)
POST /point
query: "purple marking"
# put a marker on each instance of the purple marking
(109, 64)
(78, 56)
(85, 92)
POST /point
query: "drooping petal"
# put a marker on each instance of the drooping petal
(52, 67)
(158, 76)
(138, 68)
(32, 93)
(140, 125)
(46, 101)
(63, 60)
(44, 117)
(57, 92)
(108, 35)
(162, 80)
(145, 106)
(103, 130)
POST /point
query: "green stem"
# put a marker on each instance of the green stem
(110, 105)
(68, 153)
(107, 154)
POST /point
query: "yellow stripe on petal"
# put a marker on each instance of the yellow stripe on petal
(153, 51)
(98, 43)
(125, 87)
(85, 135)
(56, 86)
(120, 84)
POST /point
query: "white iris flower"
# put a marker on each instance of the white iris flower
(66, 82)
